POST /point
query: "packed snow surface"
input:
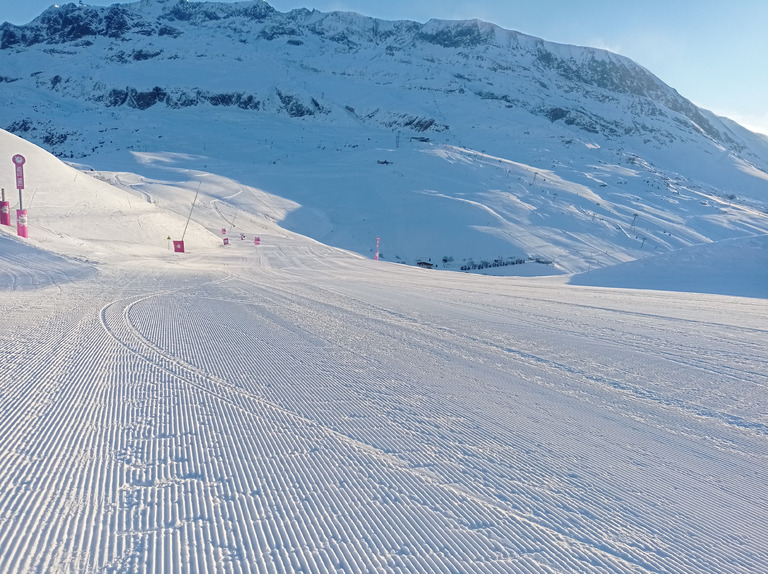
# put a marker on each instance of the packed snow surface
(729, 267)
(292, 407)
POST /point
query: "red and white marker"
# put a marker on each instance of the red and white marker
(5, 211)
(21, 223)
(22, 228)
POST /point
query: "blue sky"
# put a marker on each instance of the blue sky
(711, 51)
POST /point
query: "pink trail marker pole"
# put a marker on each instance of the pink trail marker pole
(378, 239)
(5, 211)
(22, 228)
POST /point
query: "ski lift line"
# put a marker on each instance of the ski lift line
(191, 209)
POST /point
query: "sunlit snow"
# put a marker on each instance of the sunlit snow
(558, 362)
(294, 407)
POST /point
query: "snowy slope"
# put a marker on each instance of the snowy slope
(75, 213)
(25, 267)
(293, 407)
(457, 143)
(729, 267)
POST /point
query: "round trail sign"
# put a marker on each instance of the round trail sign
(19, 161)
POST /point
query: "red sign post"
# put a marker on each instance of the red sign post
(21, 214)
(5, 211)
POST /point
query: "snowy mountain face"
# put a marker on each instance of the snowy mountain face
(461, 144)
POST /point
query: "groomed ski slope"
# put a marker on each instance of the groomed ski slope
(294, 408)
(291, 407)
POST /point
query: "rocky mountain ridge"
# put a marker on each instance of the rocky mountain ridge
(158, 31)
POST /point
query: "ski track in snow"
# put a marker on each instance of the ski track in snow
(309, 411)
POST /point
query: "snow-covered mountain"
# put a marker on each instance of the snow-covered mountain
(282, 405)
(460, 144)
